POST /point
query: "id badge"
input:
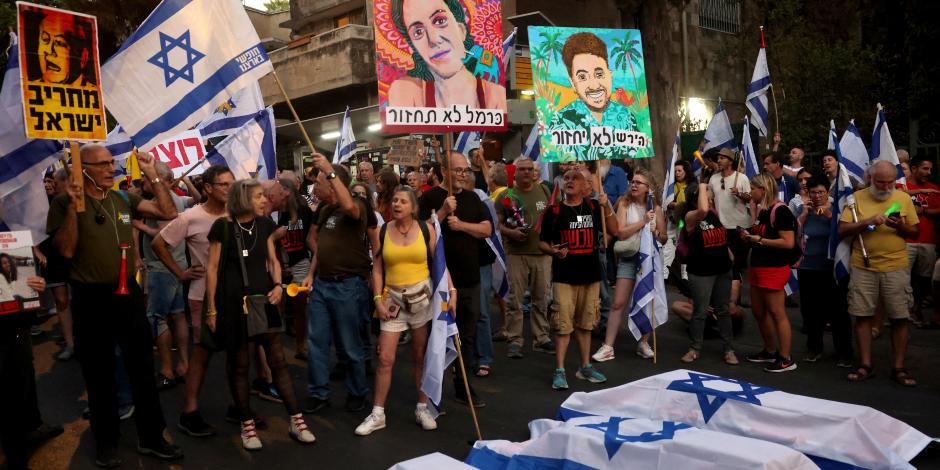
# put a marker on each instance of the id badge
(244, 253)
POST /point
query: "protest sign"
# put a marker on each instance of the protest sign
(440, 65)
(59, 74)
(405, 152)
(16, 265)
(181, 152)
(590, 93)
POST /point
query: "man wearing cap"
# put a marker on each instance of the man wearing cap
(732, 192)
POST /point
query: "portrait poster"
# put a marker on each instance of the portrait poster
(16, 265)
(590, 93)
(59, 74)
(440, 65)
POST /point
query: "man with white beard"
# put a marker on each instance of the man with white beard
(614, 179)
(885, 218)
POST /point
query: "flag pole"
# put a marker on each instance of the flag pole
(653, 314)
(77, 175)
(293, 111)
(861, 242)
(600, 190)
(445, 157)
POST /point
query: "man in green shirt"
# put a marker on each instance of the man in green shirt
(519, 209)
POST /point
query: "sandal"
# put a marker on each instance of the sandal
(861, 374)
(902, 377)
(482, 371)
(690, 356)
(164, 382)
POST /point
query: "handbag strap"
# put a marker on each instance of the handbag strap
(241, 251)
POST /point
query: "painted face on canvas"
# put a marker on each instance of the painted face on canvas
(56, 37)
(436, 35)
(592, 80)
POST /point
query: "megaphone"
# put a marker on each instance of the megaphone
(294, 289)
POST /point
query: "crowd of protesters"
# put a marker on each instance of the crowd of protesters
(343, 267)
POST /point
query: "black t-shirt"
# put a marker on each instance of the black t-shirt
(342, 242)
(295, 241)
(256, 243)
(708, 247)
(579, 227)
(487, 257)
(763, 256)
(461, 249)
(479, 180)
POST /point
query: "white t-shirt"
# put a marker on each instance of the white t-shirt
(192, 226)
(732, 211)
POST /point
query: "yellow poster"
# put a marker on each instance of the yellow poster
(60, 77)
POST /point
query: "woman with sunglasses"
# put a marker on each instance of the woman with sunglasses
(771, 237)
(633, 215)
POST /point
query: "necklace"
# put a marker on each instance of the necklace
(406, 232)
(249, 229)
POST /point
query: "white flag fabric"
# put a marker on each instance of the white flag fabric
(441, 350)
(435, 461)
(622, 442)
(831, 144)
(718, 134)
(532, 148)
(840, 251)
(882, 145)
(824, 430)
(25, 209)
(854, 153)
(757, 93)
(467, 141)
(495, 242)
(751, 168)
(509, 46)
(119, 144)
(233, 113)
(250, 149)
(346, 143)
(22, 160)
(186, 58)
(669, 188)
(649, 308)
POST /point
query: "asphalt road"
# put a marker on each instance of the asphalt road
(518, 391)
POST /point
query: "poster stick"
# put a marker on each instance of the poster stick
(77, 175)
(188, 171)
(445, 157)
(293, 112)
(466, 387)
(600, 190)
(653, 309)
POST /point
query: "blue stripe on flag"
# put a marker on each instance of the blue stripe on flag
(760, 84)
(229, 123)
(22, 159)
(197, 98)
(268, 148)
(158, 16)
(758, 106)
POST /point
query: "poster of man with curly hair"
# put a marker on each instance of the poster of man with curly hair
(58, 57)
(440, 65)
(590, 93)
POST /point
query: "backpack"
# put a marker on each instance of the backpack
(795, 254)
(425, 233)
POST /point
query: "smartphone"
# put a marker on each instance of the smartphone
(560, 245)
(393, 310)
(894, 215)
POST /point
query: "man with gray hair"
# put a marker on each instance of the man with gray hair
(518, 210)
(885, 218)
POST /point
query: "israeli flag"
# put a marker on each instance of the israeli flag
(882, 145)
(346, 143)
(186, 58)
(840, 250)
(22, 160)
(25, 209)
(495, 242)
(718, 134)
(853, 149)
(649, 295)
(623, 442)
(465, 142)
(441, 349)
(233, 113)
(250, 149)
(669, 189)
(828, 432)
(793, 284)
(751, 168)
(509, 46)
(532, 149)
(757, 93)
(119, 144)
(833, 137)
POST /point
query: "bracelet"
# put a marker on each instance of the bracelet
(452, 289)
(376, 297)
(211, 313)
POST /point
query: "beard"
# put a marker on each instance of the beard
(878, 194)
(603, 170)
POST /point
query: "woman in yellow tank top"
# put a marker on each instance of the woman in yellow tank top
(402, 287)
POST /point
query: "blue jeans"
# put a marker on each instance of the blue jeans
(341, 307)
(484, 334)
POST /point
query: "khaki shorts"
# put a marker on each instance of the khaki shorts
(893, 289)
(575, 306)
(921, 258)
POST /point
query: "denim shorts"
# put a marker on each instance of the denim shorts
(626, 267)
(164, 298)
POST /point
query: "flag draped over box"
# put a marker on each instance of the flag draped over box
(882, 145)
(826, 431)
(441, 349)
(346, 143)
(250, 149)
(757, 93)
(186, 58)
(649, 295)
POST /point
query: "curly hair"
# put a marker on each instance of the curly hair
(421, 69)
(582, 43)
(11, 276)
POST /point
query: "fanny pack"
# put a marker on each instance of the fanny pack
(412, 299)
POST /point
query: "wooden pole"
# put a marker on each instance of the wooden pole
(445, 157)
(466, 388)
(293, 112)
(600, 190)
(77, 175)
(653, 310)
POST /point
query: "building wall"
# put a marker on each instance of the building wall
(268, 24)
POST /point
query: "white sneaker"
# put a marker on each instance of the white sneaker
(424, 418)
(604, 353)
(250, 440)
(644, 350)
(299, 431)
(372, 423)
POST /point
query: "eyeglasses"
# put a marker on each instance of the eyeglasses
(461, 171)
(102, 164)
(638, 182)
(818, 193)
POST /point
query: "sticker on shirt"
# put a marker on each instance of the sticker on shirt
(582, 221)
(540, 206)
(124, 217)
(330, 223)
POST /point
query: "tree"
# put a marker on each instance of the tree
(625, 53)
(277, 5)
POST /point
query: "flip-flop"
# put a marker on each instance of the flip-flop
(903, 377)
(482, 371)
(858, 376)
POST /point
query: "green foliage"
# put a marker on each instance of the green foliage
(625, 54)
(277, 5)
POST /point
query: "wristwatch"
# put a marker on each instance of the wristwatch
(331, 175)
(155, 180)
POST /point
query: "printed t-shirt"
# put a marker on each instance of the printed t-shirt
(579, 227)
(708, 247)
(295, 240)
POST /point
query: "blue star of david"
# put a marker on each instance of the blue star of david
(162, 59)
(445, 314)
(613, 439)
(696, 384)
